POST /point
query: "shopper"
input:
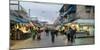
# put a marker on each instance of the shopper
(67, 33)
(39, 34)
(53, 33)
(72, 33)
(47, 32)
(34, 32)
(56, 33)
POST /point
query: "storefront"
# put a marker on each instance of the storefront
(18, 28)
(86, 25)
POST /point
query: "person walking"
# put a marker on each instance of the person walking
(47, 32)
(39, 34)
(67, 34)
(72, 34)
(33, 31)
(53, 33)
(56, 33)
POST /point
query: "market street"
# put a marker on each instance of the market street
(40, 25)
(46, 42)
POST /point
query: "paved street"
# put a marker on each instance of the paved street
(46, 42)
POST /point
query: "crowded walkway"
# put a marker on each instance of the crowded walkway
(45, 41)
(50, 25)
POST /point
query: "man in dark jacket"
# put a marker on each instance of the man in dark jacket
(53, 33)
(47, 32)
(72, 34)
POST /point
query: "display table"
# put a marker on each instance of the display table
(20, 35)
(26, 35)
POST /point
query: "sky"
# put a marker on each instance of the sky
(43, 11)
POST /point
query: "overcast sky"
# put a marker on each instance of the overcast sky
(43, 11)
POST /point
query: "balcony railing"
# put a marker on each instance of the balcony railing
(17, 7)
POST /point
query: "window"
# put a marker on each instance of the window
(88, 9)
(64, 8)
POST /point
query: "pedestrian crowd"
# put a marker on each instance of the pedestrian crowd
(36, 32)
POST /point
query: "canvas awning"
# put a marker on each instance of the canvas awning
(20, 20)
(85, 21)
(14, 19)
